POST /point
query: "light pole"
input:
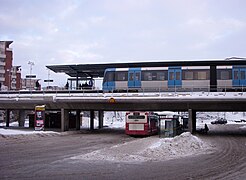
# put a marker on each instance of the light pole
(31, 64)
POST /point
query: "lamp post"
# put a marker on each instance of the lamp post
(31, 64)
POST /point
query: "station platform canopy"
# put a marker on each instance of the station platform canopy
(97, 70)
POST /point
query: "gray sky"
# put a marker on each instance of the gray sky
(97, 31)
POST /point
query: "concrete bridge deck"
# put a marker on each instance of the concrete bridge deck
(176, 101)
(98, 101)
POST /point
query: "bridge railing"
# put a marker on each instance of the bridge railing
(143, 91)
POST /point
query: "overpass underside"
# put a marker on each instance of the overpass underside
(120, 102)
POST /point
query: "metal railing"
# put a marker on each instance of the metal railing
(137, 91)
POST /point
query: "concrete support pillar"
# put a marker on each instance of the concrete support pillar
(213, 78)
(92, 115)
(100, 118)
(21, 119)
(192, 121)
(64, 120)
(7, 117)
(78, 119)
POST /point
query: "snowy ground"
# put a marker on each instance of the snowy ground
(150, 148)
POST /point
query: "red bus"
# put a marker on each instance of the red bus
(141, 123)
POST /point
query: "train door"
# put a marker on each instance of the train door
(134, 78)
(174, 77)
(239, 76)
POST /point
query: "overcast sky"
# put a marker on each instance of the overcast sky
(94, 31)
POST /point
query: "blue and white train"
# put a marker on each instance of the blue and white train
(185, 78)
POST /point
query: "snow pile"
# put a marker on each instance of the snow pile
(242, 127)
(183, 145)
(150, 149)
(5, 132)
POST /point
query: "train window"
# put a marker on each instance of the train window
(188, 75)
(110, 76)
(235, 75)
(225, 75)
(131, 76)
(154, 75)
(137, 76)
(178, 76)
(147, 76)
(121, 76)
(242, 74)
(201, 75)
(161, 76)
(171, 76)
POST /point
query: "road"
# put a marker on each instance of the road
(47, 156)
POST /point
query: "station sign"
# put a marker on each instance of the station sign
(30, 76)
(48, 80)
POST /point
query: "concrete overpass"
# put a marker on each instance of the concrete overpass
(97, 101)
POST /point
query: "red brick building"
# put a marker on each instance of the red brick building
(10, 76)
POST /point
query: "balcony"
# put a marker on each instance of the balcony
(2, 79)
(2, 71)
(2, 55)
(2, 63)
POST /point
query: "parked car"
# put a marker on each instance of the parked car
(219, 121)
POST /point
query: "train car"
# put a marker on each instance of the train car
(176, 78)
(141, 123)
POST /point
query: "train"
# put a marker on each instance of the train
(178, 78)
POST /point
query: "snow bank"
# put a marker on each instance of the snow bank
(6, 132)
(150, 149)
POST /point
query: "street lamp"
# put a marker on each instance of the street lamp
(31, 64)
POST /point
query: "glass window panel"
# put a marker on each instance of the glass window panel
(242, 75)
(131, 76)
(178, 76)
(160, 76)
(137, 76)
(202, 75)
(154, 76)
(171, 75)
(224, 75)
(235, 75)
(121, 76)
(188, 75)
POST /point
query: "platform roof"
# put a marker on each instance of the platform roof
(97, 70)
